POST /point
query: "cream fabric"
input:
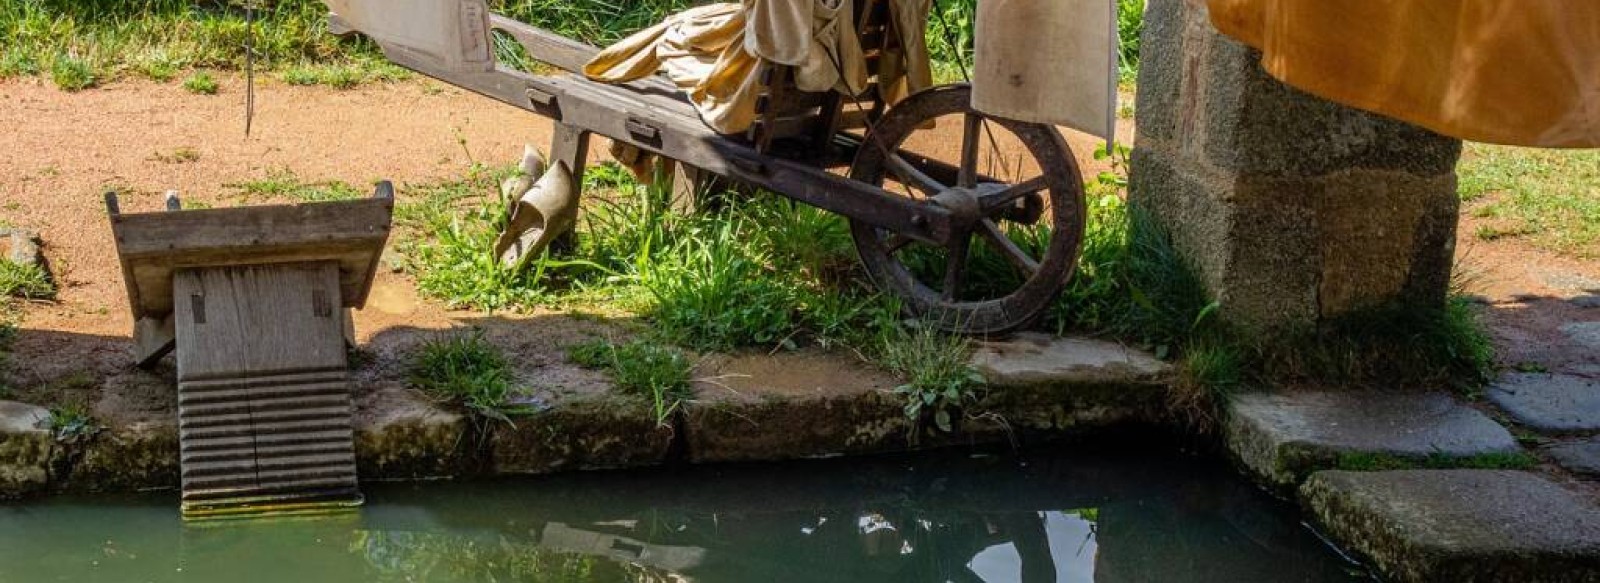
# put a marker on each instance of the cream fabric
(1523, 72)
(713, 53)
(1048, 61)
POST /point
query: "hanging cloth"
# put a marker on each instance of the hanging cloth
(1048, 61)
(1522, 72)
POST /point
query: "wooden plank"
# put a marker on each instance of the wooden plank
(151, 246)
(235, 322)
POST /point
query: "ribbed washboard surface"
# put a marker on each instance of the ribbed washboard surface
(263, 399)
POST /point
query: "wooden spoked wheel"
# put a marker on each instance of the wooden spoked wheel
(1017, 223)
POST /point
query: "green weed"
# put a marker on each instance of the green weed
(201, 83)
(15, 63)
(71, 74)
(657, 372)
(181, 155)
(25, 281)
(464, 368)
(71, 423)
(939, 378)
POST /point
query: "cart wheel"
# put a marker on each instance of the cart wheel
(1016, 197)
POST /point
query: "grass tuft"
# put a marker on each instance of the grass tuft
(201, 83)
(939, 377)
(464, 368)
(25, 281)
(71, 423)
(654, 371)
(71, 74)
(1547, 197)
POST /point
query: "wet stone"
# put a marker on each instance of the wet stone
(1549, 402)
(25, 449)
(1484, 526)
(1031, 359)
(1581, 457)
(1586, 334)
(400, 435)
(1283, 437)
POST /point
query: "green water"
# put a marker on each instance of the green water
(954, 516)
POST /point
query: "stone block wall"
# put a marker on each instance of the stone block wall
(1293, 209)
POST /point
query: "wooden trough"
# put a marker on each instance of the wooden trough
(255, 301)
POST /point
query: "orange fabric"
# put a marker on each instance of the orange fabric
(1523, 72)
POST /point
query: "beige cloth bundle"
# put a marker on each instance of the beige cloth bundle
(714, 52)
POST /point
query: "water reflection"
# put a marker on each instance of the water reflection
(1040, 517)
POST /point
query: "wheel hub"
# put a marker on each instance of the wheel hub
(965, 209)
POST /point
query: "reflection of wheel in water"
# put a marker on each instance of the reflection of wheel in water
(1016, 240)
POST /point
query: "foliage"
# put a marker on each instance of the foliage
(713, 292)
(71, 74)
(25, 280)
(657, 372)
(939, 380)
(201, 83)
(71, 423)
(466, 369)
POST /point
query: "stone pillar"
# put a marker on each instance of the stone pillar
(1292, 209)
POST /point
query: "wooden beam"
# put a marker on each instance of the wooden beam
(153, 338)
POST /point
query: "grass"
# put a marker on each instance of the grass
(466, 369)
(180, 155)
(71, 74)
(655, 371)
(283, 184)
(200, 83)
(157, 39)
(25, 281)
(939, 380)
(1550, 198)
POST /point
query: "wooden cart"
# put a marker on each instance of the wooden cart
(918, 220)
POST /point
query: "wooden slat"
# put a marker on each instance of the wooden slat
(259, 320)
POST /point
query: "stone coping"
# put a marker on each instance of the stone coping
(403, 435)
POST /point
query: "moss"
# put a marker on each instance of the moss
(1373, 461)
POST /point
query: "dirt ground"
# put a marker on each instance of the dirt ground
(62, 151)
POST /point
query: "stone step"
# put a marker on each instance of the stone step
(1283, 437)
(1486, 526)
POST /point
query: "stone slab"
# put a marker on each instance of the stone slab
(401, 435)
(1549, 401)
(1586, 334)
(138, 456)
(1580, 457)
(25, 449)
(1031, 358)
(1482, 526)
(788, 427)
(1283, 437)
(588, 434)
(21, 246)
